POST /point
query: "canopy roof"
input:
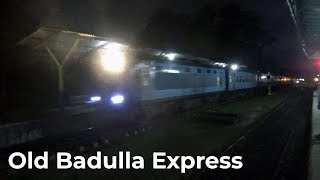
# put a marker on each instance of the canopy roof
(72, 45)
(60, 41)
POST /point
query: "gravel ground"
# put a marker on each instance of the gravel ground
(277, 149)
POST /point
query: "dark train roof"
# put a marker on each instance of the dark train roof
(155, 54)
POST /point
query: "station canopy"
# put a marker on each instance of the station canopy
(62, 42)
(64, 45)
(306, 16)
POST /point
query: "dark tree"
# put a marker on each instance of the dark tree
(181, 33)
(241, 35)
(231, 33)
(16, 25)
(166, 30)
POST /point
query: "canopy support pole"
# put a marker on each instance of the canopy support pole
(60, 68)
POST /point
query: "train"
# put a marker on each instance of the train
(160, 80)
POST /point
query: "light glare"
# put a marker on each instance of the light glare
(234, 67)
(113, 60)
(95, 98)
(171, 56)
(117, 99)
(171, 71)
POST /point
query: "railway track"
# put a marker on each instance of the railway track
(273, 149)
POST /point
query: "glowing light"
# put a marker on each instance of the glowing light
(234, 67)
(316, 79)
(220, 64)
(115, 46)
(171, 56)
(95, 98)
(317, 63)
(263, 77)
(117, 99)
(171, 71)
(113, 58)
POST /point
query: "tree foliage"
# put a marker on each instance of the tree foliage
(229, 32)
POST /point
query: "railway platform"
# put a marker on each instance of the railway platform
(314, 173)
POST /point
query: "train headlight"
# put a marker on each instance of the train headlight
(95, 98)
(113, 58)
(117, 99)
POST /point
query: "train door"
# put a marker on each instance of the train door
(221, 78)
(232, 81)
(195, 82)
(143, 82)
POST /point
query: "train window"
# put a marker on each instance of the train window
(188, 69)
(214, 72)
(158, 67)
(208, 71)
(199, 70)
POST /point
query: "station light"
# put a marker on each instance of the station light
(113, 58)
(117, 99)
(316, 79)
(234, 67)
(263, 77)
(171, 56)
(317, 63)
(220, 64)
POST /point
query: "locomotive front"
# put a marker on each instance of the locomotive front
(111, 68)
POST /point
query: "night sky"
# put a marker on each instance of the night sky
(124, 18)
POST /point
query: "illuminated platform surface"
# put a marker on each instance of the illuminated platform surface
(315, 147)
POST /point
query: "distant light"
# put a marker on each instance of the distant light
(318, 75)
(95, 98)
(234, 67)
(263, 77)
(171, 56)
(171, 71)
(117, 99)
(316, 79)
(297, 81)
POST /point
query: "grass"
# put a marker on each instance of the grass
(186, 134)
(264, 104)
